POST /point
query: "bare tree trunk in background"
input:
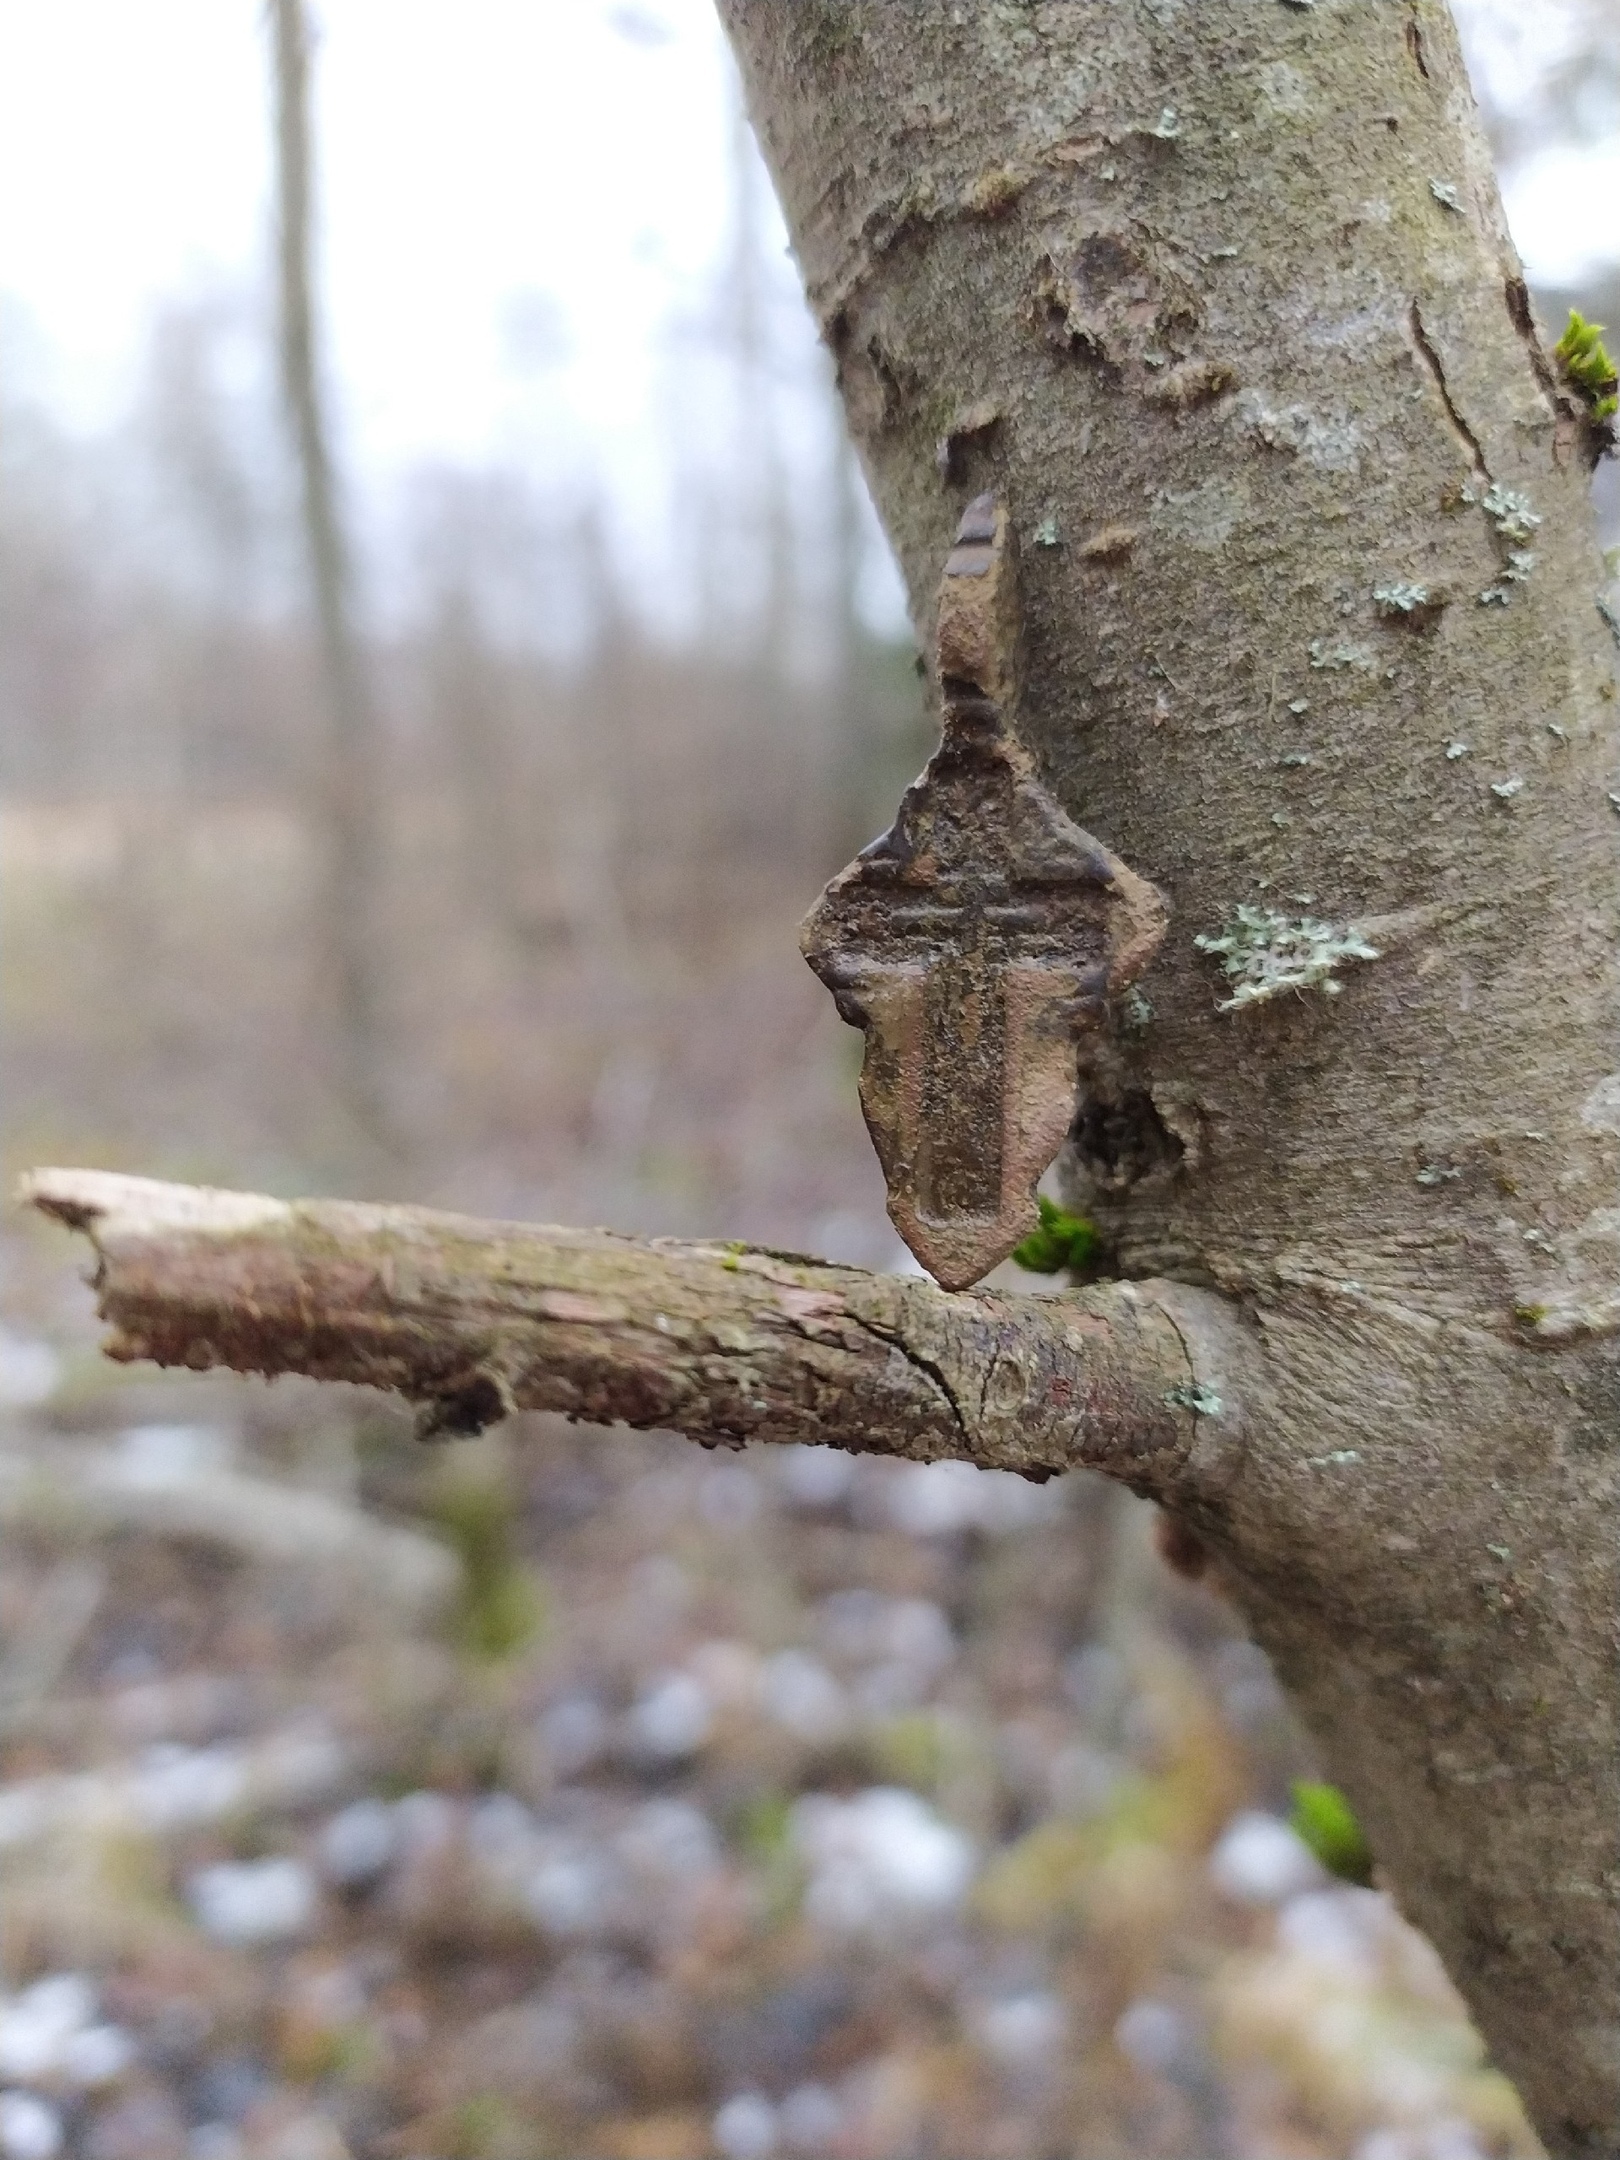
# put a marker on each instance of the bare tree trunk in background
(1220, 301)
(757, 423)
(595, 843)
(351, 781)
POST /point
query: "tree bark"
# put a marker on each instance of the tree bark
(1220, 301)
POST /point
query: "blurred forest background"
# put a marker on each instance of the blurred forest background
(437, 828)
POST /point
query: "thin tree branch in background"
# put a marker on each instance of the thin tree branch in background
(349, 786)
(474, 1320)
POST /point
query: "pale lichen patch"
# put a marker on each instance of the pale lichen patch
(1514, 523)
(1520, 563)
(1414, 606)
(1509, 511)
(1264, 954)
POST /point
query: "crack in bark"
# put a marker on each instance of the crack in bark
(1430, 354)
(1523, 320)
(1180, 1334)
(1414, 41)
(1566, 420)
(923, 1365)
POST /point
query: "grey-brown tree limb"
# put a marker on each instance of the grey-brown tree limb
(473, 1320)
(1220, 300)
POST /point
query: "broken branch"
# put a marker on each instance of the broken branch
(473, 1320)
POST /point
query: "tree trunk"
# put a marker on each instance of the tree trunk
(1221, 300)
(351, 779)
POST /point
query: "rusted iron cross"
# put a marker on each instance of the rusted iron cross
(973, 942)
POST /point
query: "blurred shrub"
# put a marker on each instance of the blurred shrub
(501, 1609)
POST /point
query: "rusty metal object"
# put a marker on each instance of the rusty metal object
(974, 942)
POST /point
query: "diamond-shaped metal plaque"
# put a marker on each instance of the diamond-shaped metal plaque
(973, 942)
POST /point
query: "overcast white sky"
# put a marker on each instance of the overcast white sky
(516, 196)
(504, 186)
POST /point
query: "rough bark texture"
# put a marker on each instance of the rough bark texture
(476, 1319)
(1220, 299)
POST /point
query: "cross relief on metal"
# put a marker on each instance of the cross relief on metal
(974, 942)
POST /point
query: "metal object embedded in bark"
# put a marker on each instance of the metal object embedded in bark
(974, 942)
